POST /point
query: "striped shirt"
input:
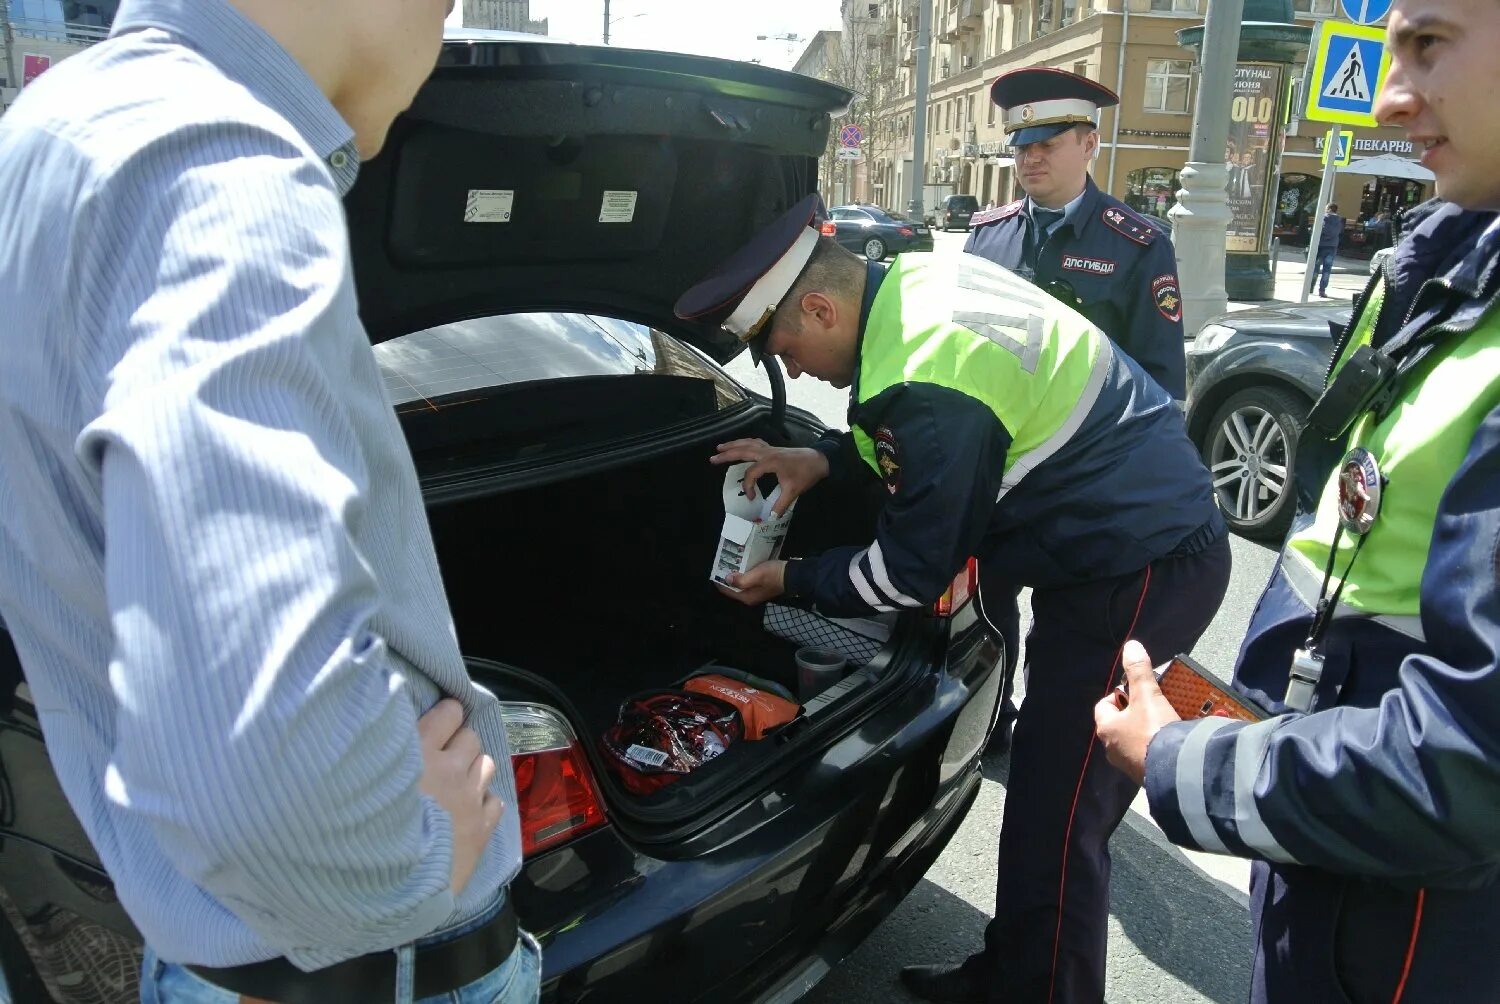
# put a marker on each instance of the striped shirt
(214, 558)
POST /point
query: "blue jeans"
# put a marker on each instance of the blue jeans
(1323, 268)
(517, 980)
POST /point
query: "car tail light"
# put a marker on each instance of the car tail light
(965, 584)
(554, 785)
(827, 228)
(905, 231)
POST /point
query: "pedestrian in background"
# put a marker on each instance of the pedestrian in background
(214, 557)
(1371, 803)
(1328, 246)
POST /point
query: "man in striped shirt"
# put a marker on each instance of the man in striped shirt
(214, 557)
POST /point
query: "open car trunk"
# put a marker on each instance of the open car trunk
(600, 585)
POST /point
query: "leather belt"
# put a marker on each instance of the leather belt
(441, 967)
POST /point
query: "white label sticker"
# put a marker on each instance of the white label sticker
(488, 205)
(646, 755)
(618, 207)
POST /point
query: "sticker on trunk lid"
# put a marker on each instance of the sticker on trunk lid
(489, 205)
(617, 207)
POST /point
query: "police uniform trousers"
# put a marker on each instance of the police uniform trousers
(1047, 941)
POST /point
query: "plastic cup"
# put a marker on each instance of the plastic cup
(817, 670)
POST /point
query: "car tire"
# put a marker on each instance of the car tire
(875, 249)
(1250, 448)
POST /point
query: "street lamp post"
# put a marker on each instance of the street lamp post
(919, 111)
(1201, 217)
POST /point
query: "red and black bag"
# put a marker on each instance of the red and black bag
(663, 735)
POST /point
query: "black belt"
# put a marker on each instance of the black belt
(440, 969)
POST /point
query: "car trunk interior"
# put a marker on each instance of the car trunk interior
(600, 583)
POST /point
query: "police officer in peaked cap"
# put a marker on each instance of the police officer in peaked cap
(1006, 427)
(1113, 265)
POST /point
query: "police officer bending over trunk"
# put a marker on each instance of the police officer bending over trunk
(1006, 427)
(1088, 249)
(1371, 804)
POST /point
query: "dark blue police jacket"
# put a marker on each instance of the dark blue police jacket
(1119, 266)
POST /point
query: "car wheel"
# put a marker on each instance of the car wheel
(875, 249)
(1250, 448)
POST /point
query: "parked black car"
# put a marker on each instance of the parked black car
(1252, 375)
(878, 233)
(561, 419)
(955, 211)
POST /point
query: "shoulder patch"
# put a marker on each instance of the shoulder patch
(1166, 297)
(1125, 222)
(993, 215)
(888, 457)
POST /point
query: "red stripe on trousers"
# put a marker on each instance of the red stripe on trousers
(1062, 883)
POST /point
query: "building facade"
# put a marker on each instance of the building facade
(502, 15)
(1128, 45)
(36, 34)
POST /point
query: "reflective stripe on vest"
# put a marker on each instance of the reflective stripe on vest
(983, 331)
(1419, 446)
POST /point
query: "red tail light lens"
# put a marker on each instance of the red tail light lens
(965, 584)
(906, 231)
(554, 785)
(827, 228)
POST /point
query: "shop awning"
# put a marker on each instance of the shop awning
(1388, 165)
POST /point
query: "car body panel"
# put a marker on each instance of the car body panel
(833, 844)
(1284, 346)
(490, 195)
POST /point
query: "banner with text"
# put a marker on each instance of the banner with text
(1250, 152)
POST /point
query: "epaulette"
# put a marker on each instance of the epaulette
(1129, 223)
(992, 215)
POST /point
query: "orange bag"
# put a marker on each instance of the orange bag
(762, 712)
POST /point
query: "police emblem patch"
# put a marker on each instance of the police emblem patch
(1097, 266)
(1168, 300)
(888, 458)
(1359, 491)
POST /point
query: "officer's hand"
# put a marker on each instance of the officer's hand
(1127, 724)
(761, 584)
(796, 469)
(456, 773)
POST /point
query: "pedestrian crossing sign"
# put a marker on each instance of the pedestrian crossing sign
(1349, 65)
(1345, 152)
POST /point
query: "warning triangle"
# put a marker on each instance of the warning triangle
(1349, 82)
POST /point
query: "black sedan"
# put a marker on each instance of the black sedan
(1252, 375)
(877, 233)
(517, 249)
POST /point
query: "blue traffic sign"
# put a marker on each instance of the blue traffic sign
(1349, 65)
(1365, 11)
(851, 135)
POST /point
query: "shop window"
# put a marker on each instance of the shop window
(1167, 85)
(1152, 190)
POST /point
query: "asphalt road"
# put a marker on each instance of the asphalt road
(1179, 930)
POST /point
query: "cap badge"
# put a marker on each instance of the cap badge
(1027, 113)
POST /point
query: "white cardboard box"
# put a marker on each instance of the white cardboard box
(752, 534)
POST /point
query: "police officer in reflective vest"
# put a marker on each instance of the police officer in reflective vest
(1115, 266)
(1370, 802)
(1004, 426)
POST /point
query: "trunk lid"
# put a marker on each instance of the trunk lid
(534, 175)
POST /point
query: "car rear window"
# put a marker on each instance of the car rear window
(531, 382)
(963, 202)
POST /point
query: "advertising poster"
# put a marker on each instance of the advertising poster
(33, 66)
(1249, 152)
